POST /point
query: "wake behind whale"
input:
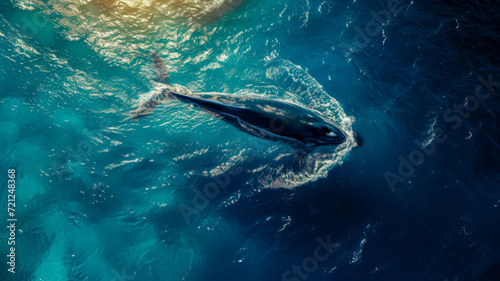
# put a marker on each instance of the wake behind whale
(266, 118)
(279, 83)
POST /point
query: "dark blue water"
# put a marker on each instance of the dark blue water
(182, 195)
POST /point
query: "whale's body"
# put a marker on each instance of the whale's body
(266, 118)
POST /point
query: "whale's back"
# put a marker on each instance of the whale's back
(269, 118)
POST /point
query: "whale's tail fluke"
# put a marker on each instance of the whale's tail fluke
(161, 73)
(158, 94)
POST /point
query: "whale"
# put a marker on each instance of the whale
(270, 119)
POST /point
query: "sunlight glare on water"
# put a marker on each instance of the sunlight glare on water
(204, 57)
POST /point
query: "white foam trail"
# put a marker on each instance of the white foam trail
(282, 166)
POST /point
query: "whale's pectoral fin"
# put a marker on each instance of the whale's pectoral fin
(254, 131)
(161, 74)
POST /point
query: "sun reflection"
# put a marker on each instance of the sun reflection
(128, 4)
(137, 3)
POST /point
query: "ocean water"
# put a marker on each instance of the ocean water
(182, 195)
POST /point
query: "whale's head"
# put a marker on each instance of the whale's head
(301, 124)
(323, 133)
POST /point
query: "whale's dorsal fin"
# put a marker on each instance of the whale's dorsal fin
(161, 74)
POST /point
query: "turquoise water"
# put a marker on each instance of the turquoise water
(182, 195)
(99, 193)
